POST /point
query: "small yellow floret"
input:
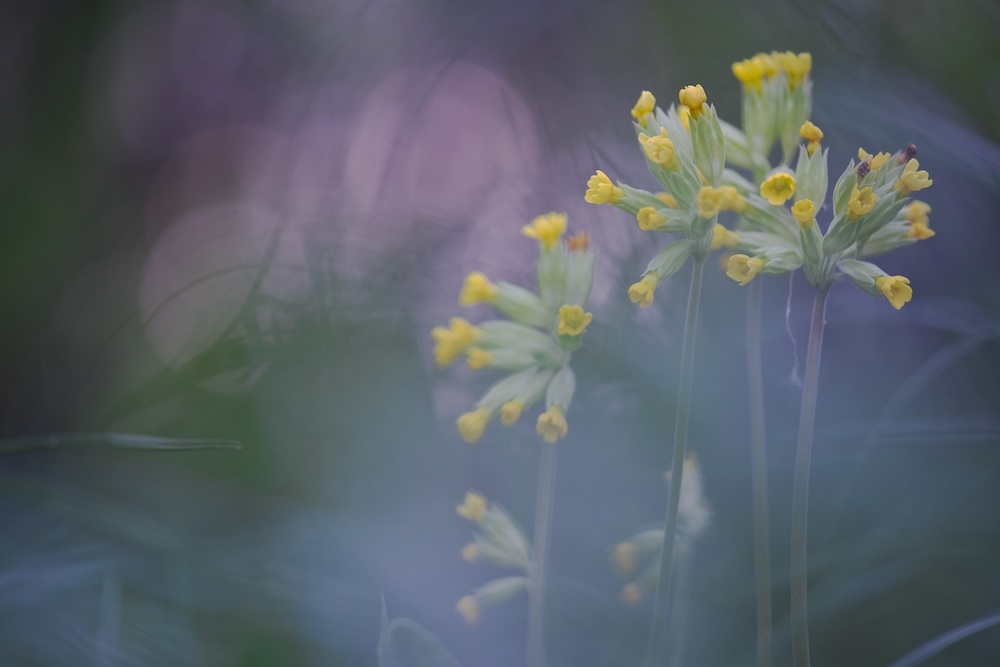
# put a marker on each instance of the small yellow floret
(694, 98)
(477, 358)
(917, 214)
(667, 199)
(659, 149)
(600, 190)
(810, 132)
(552, 424)
(642, 291)
(732, 199)
(862, 202)
(631, 594)
(477, 289)
(650, 219)
(723, 238)
(912, 180)
(742, 268)
(453, 341)
(896, 289)
(749, 72)
(644, 107)
(805, 212)
(623, 558)
(511, 411)
(573, 320)
(875, 162)
(546, 229)
(472, 424)
(710, 201)
(578, 242)
(796, 67)
(778, 188)
(469, 609)
(473, 507)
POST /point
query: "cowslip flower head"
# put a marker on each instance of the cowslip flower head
(644, 107)
(642, 291)
(546, 229)
(912, 180)
(600, 190)
(723, 238)
(710, 201)
(573, 320)
(896, 289)
(472, 424)
(473, 507)
(469, 609)
(476, 358)
(552, 424)
(862, 202)
(694, 98)
(650, 219)
(511, 411)
(477, 288)
(804, 211)
(659, 148)
(778, 188)
(453, 341)
(917, 214)
(743, 268)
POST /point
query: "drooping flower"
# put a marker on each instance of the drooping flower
(511, 411)
(778, 188)
(710, 201)
(473, 507)
(896, 289)
(477, 289)
(472, 424)
(600, 190)
(573, 320)
(552, 424)
(453, 341)
(743, 268)
(644, 107)
(642, 291)
(650, 219)
(547, 229)
(917, 214)
(723, 238)
(912, 180)
(469, 609)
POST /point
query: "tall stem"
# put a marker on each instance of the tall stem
(661, 600)
(758, 455)
(800, 493)
(543, 531)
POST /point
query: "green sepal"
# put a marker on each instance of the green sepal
(561, 388)
(670, 259)
(862, 274)
(811, 180)
(524, 305)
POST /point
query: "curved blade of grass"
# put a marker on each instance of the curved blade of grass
(114, 440)
(941, 642)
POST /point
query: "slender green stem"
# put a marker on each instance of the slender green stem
(758, 454)
(661, 599)
(539, 569)
(800, 493)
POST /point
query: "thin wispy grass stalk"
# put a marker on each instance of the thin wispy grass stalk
(800, 492)
(539, 571)
(661, 600)
(758, 455)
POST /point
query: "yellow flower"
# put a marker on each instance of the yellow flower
(659, 149)
(875, 162)
(470, 552)
(912, 180)
(778, 188)
(693, 97)
(469, 609)
(732, 199)
(477, 288)
(477, 358)
(862, 202)
(511, 411)
(453, 341)
(742, 268)
(547, 229)
(723, 238)
(896, 289)
(644, 107)
(552, 424)
(472, 424)
(600, 190)
(667, 199)
(769, 62)
(623, 558)
(810, 132)
(631, 594)
(642, 291)
(710, 201)
(578, 242)
(916, 213)
(805, 212)
(649, 219)
(473, 507)
(797, 67)
(749, 72)
(572, 320)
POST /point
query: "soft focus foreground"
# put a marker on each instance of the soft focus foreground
(239, 221)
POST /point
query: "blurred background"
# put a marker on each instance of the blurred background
(240, 220)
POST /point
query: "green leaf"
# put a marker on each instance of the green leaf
(404, 643)
(116, 440)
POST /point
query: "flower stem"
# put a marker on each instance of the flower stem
(800, 493)
(661, 600)
(758, 454)
(543, 532)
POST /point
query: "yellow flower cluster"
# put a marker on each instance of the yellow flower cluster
(752, 71)
(450, 342)
(547, 229)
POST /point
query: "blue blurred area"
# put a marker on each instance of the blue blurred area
(240, 220)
